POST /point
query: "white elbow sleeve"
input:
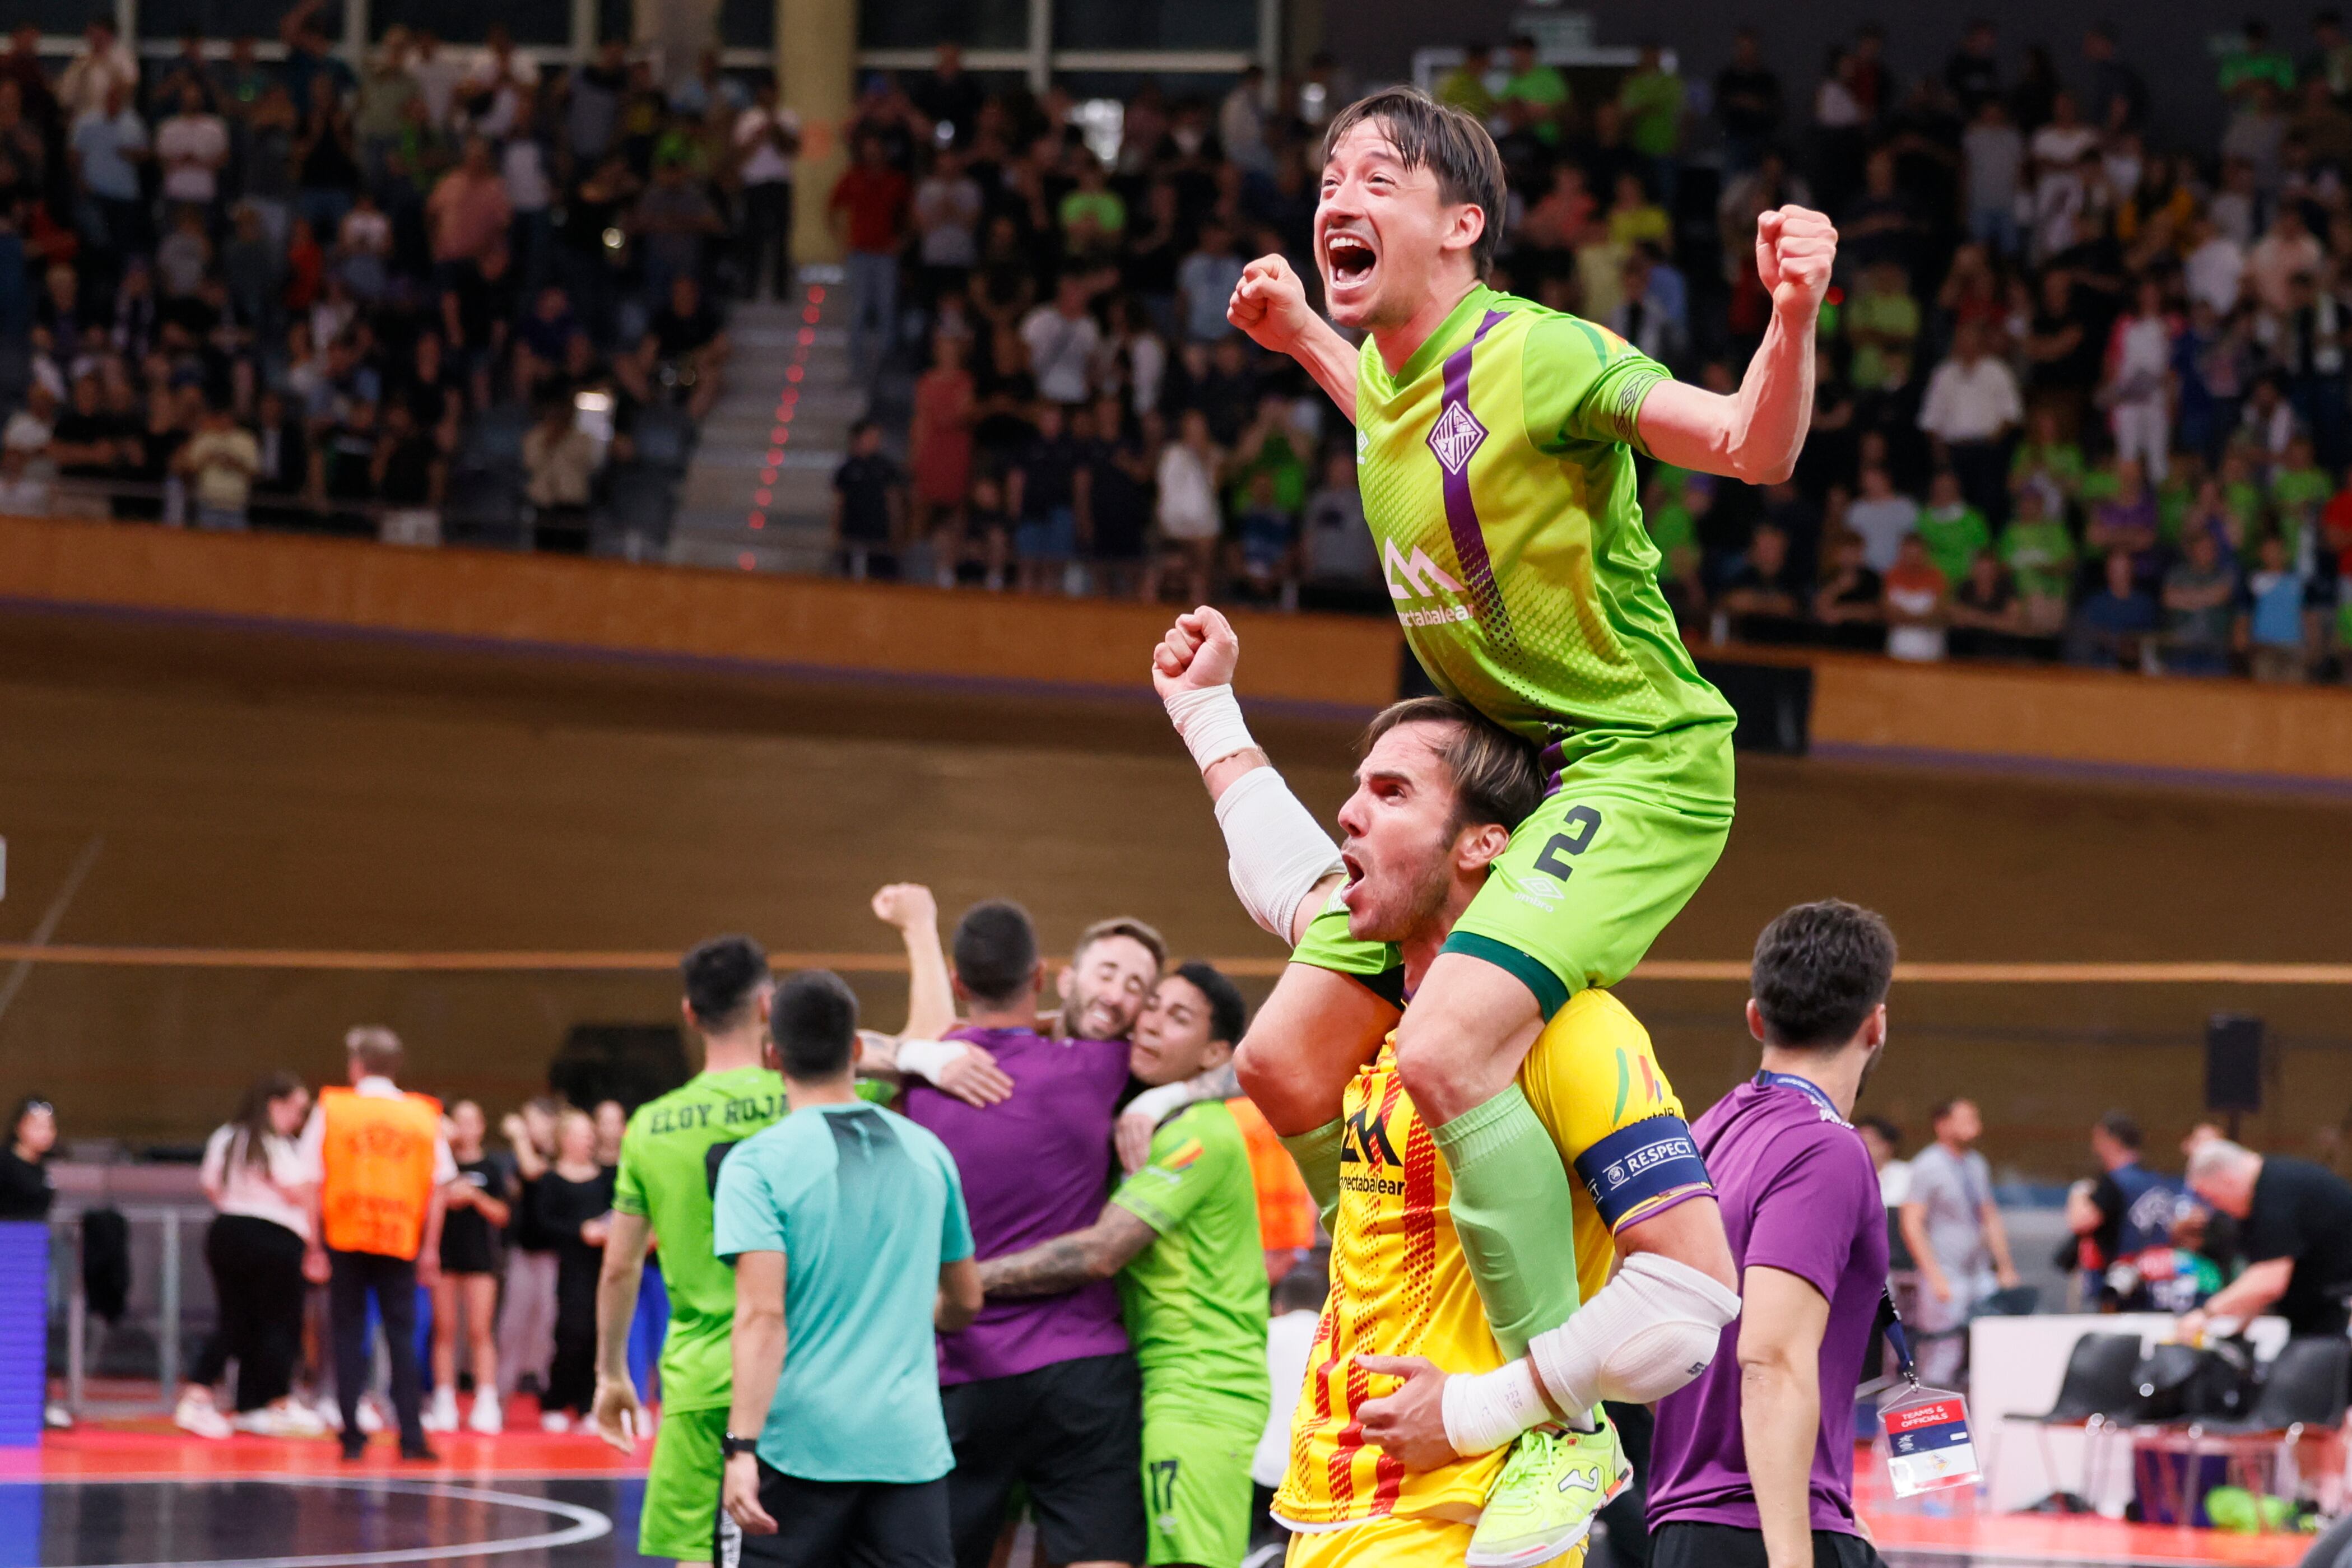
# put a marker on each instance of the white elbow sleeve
(1277, 852)
(1647, 1333)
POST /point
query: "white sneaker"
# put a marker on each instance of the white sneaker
(56, 1418)
(371, 1419)
(554, 1421)
(330, 1415)
(284, 1419)
(489, 1414)
(195, 1414)
(441, 1414)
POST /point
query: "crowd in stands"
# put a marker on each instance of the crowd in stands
(449, 295)
(2081, 392)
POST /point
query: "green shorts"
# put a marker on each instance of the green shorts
(680, 1517)
(1587, 884)
(1196, 1489)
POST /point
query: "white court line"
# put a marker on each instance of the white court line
(587, 1524)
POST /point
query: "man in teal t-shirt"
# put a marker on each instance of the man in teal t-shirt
(1182, 1235)
(847, 1228)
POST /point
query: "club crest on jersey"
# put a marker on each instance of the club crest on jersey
(1456, 435)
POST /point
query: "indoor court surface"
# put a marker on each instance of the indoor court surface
(139, 1495)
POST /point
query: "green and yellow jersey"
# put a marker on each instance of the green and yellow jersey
(1498, 475)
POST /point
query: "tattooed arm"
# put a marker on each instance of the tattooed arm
(1066, 1262)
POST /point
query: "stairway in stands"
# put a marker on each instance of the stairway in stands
(758, 495)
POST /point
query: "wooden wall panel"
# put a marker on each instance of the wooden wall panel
(1342, 664)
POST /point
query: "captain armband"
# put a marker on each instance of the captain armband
(1640, 1169)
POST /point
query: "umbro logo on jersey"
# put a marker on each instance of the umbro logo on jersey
(1455, 436)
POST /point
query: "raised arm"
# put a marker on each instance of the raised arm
(1283, 863)
(1755, 434)
(1067, 1261)
(910, 908)
(1270, 305)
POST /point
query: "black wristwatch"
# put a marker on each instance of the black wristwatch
(729, 1445)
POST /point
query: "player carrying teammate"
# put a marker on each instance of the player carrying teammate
(1181, 1235)
(670, 1168)
(1436, 799)
(1496, 441)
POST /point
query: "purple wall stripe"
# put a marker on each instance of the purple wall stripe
(1458, 431)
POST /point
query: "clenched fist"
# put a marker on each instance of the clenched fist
(1200, 651)
(1795, 249)
(1270, 304)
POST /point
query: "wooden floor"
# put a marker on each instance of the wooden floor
(249, 1499)
(248, 789)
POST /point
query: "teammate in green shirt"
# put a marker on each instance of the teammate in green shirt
(1496, 441)
(1182, 1235)
(669, 1165)
(670, 1156)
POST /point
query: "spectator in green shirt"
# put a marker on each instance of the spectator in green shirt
(2299, 488)
(1651, 101)
(1092, 216)
(1670, 512)
(1881, 325)
(1465, 86)
(1536, 100)
(1954, 530)
(2253, 62)
(2047, 462)
(2242, 495)
(2039, 555)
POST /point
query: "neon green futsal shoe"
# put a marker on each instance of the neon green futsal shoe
(1543, 1504)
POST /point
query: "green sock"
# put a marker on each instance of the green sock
(1514, 1214)
(1317, 1154)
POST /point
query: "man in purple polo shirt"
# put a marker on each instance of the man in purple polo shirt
(1043, 1390)
(1753, 1466)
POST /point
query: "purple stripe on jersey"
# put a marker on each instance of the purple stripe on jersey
(1456, 435)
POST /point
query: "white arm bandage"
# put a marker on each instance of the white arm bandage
(926, 1058)
(1210, 720)
(1217, 1083)
(1648, 1332)
(1644, 1334)
(1275, 850)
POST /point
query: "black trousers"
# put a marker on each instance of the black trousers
(1628, 1536)
(256, 1266)
(1678, 1545)
(768, 231)
(352, 1277)
(842, 1524)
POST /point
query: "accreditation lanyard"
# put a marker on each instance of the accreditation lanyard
(1924, 1433)
(1890, 1321)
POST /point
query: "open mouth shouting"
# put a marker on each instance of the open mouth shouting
(1350, 257)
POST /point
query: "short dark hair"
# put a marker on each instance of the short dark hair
(1941, 1110)
(2121, 1126)
(1228, 1014)
(721, 978)
(1448, 142)
(1819, 970)
(1496, 777)
(995, 950)
(1888, 1133)
(1125, 925)
(815, 1023)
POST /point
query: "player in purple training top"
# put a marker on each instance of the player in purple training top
(1753, 1466)
(1043, 1390)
